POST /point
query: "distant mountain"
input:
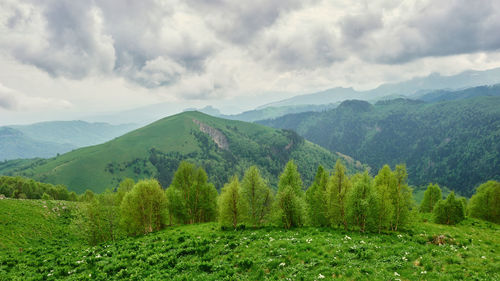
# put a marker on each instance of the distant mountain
(222, 147)
(15, 144)
(420, 85)
(274, 112)
(47, 139)
(453, 143)
(447, 95)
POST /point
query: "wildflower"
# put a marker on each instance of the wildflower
(400, 236)
(483, 257)
(321, 276)
(423, 272)
(347, 238)
(282, 264)
(362, 242)
(396, 274)
(404, 259)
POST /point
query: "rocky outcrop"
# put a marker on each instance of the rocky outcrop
(217, 136)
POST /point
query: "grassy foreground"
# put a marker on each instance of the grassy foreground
(469, 251)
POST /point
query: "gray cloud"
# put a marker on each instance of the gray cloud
(178, 45)
(7, 102)
(438, 28)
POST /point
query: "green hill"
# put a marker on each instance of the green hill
(453, 143)
(28, 223)
(157, 149)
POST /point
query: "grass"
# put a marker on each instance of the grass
(469, 251)
(24, 223)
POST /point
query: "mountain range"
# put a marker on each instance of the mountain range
(47, 139)
(453, 143)
(222, 147)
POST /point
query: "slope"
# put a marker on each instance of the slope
(14, 144)
(453, 143)
(222, 147)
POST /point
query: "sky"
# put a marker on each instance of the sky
(66, 59)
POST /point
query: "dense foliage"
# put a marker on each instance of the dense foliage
(452, 143)
(23, 188)
(485, 204)
(431, 196)
(449, 211)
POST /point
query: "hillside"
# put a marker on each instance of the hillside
(446, 95)
(25, 223)
(453, 143)
(203, 252)
(14, 144)
(222, 147)
(47, 139)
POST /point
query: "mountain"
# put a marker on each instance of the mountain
(446, 95)
(420, 85)
(452, 143)
(274, 112)
(47, 139)
(222, 147)
(77, 133)
(15, 144)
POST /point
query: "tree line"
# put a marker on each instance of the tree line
(23, 188)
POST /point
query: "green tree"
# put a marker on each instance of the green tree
(257, 196)
(289, 207)
(231, 208)
(316, 199)
(485, 203)
(143, 208)
(449, 211)
(384, 183)
(431, 196)
(337, 192)
(125, 186)
(361, 205)
(401, 198)
(45, 196)
(175, 205)
(198, 196)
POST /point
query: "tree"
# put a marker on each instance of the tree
(289, 204)
(337, 191)
(361, 205)
(316, 199)
(485, 203)
(125, 186)
(143, 208)
(198, 196)
(231, 208)
(449, 211)
(431, 196)
(257, 196)
(401, 197)
(384, 181)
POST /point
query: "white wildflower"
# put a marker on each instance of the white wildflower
(400, 236)
(362, 242)
(404, 259)
(483, 257)
(347, 238)
(423, 272)
(282, 264)
(321, 276)
(396, 274)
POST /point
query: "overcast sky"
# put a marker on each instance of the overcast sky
(65, 59)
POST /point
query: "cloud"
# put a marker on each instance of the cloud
(13, 100)
(206, 50)
(432, 29)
